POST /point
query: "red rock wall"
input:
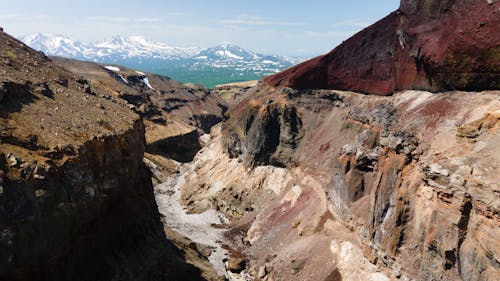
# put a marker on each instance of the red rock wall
(427, 45)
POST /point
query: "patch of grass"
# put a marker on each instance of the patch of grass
(209, 77)
(99, 121)
(10, 54)
(104, 124)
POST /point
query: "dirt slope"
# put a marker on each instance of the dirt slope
(427, 45)
(76, 200)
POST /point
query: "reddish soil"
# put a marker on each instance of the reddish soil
(435, 45)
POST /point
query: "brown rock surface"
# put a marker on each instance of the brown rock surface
(234, 92)
(376, 187)
(176, 114)
(76, 201)
(165, 102)
(431, 45)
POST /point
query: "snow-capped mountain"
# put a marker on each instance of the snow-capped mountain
(115, 48)
(139, 47)
(181, 63)
(227, 54)
(56, 45)
(227, 51)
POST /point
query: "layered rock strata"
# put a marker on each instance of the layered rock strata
(408, 184)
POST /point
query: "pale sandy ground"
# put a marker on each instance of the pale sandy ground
(196, 227)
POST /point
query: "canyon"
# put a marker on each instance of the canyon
(76, 198)
(377, 161)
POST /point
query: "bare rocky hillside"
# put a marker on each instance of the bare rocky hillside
(76, 200)
(323, 184)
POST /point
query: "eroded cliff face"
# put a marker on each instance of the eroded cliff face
(323, 184)
(266, 132)
(401, 187)
(76, 200)
(427, 45)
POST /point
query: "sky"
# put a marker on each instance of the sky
(293, 28)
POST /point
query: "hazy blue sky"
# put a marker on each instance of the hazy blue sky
(275, 27)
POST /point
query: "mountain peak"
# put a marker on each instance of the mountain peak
(138, 49)
(226, 50)
(117, 40)
(226, 45)
(37, 37)
(52, 44)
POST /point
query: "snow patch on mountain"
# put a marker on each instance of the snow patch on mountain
(123, 79)
(102, 51)
(112, 68)
(150, 55)
(146, 81)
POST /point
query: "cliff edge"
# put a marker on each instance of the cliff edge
(433, 45)
(76, 200)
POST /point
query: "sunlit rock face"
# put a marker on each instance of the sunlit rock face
(425, 45)
(402, 180)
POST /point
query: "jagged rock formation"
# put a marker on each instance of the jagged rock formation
(263, 132)
(412, 180)
(428, 45)
(323, 184)
(76, 200)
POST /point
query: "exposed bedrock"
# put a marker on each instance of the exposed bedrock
(409, 181)
(263, 132)
(431, 45)
(180, 147)
(76, 200)
(98, 204)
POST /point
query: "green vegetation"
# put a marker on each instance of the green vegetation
(187, 71)
(209, 77)
(10, 54)
(492, 58)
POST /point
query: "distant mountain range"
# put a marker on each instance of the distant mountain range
(104, 51)
(221, 64)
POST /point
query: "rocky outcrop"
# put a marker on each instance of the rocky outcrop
(57, 214)
(156, 98)
(401, 187)
(181, 147)
(76, 200)
(263, 132)
(425, 45)
(234, 92)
